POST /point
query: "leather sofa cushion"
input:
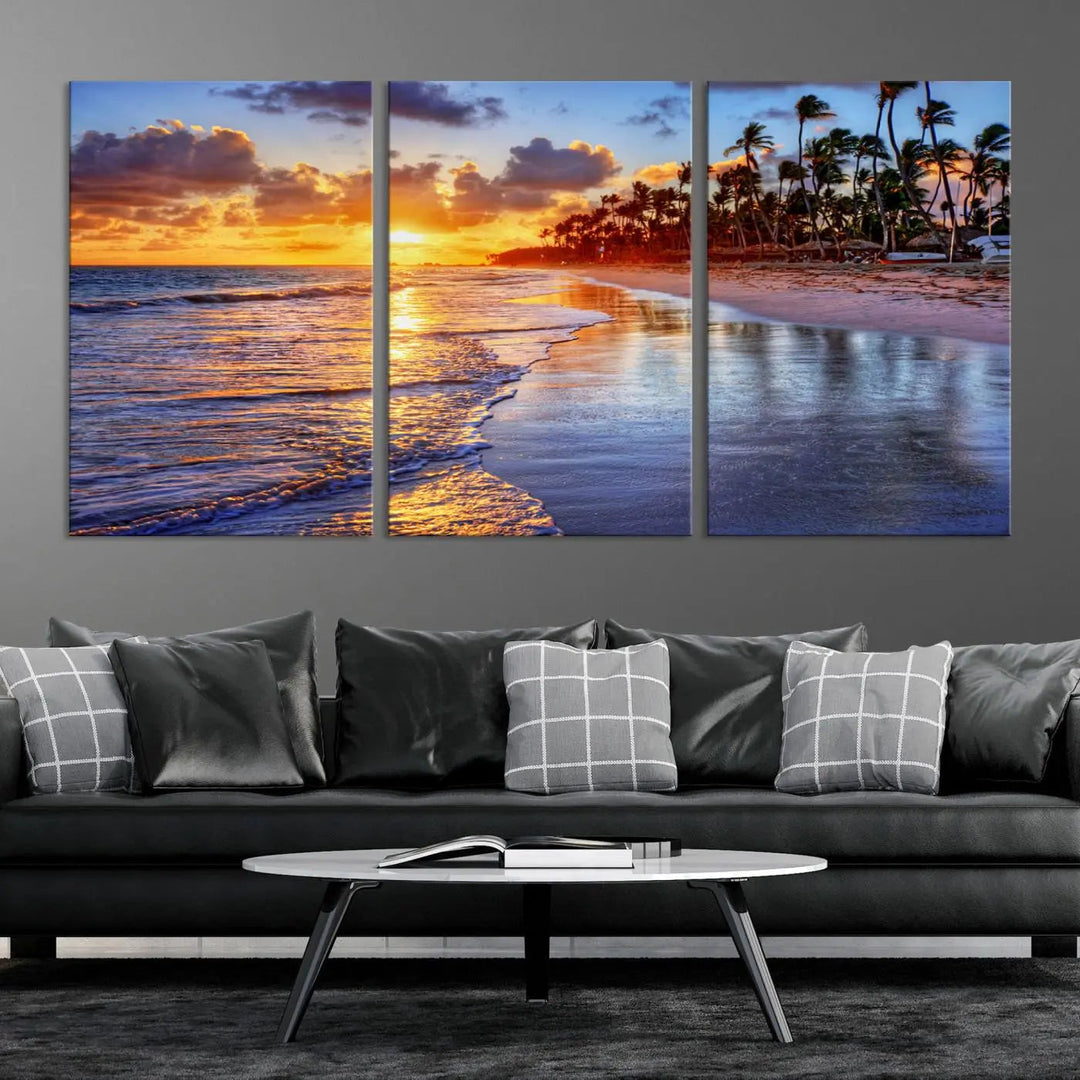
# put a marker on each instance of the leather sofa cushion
(726, 710)
(290, 641)
(204, 714)
(1005, 705)
(12, 769)
(1013, 827)
(425, 709)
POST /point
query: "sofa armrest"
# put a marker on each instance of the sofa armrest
(1072, 744)
(11, 749)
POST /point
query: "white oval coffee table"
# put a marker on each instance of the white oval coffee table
(721, 872)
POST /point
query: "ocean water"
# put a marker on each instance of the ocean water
(238, 401)
(210, 400)
(461, 340)
(817, 431)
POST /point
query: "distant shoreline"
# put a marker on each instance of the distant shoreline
(962, 301)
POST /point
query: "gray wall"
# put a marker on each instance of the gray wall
(906, 589)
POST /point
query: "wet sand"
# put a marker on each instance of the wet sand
(600, 430)
(966, 300)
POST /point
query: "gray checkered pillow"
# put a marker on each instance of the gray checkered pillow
(863, 721)
(73, 717)
(588, 719)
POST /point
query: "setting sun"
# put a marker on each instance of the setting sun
(401, 236)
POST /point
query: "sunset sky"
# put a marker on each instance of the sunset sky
(526, 155)
(733, 105)
(220, 173)
(280, 173)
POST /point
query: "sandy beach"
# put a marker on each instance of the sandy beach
(965, 300)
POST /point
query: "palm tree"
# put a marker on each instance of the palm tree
(617, 218)
(810, 107)
(831, 154)
(643, 203)
(891, 198)
(935, 113)
(718, 212)
(869, 145)
(753, 138)
(683, 179)
(744, 179)
(664, 203)
(951, 153)
(790, 171)
(891, 91)
(887, 237)
(994, 139)
(1001, 172)
(915, 157)
(728, 188)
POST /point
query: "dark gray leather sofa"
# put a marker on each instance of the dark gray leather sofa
(994, 862)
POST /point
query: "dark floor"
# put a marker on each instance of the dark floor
(211, 1019)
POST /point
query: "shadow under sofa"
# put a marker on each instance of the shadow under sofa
(981, 863)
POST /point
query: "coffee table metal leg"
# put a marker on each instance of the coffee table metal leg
(334, 905)
(537, 912)
(732, 903)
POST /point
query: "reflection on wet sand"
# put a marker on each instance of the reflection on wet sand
(818, 431)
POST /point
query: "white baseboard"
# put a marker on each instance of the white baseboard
(612, 947)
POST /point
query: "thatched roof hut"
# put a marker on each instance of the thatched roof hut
(929, 242)
(860, 245)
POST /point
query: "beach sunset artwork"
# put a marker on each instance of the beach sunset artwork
(859, 308)
(220, 308)
(539, 372)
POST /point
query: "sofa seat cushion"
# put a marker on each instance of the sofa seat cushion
(211, 826)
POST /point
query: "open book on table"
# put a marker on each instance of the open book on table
(524, 852)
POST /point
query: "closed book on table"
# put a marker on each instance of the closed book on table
(599, 856)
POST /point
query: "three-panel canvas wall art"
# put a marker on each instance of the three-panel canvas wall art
(539, 341)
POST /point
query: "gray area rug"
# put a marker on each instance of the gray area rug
(211, 1019)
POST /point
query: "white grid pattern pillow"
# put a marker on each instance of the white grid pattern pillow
(863, 721)
(73, 717)
(588, 719)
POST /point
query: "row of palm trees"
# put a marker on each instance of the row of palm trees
(841, 192)
(889, 196)
(648, 221)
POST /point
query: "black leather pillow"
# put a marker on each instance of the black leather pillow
(726, 710)
(290, 643)
(204, 715)
(427, 709)
(1005, 704)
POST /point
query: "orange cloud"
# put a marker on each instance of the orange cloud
(416, 202)
(535, 178)
(657, 175)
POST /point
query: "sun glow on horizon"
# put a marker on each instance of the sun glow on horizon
(508, 166)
